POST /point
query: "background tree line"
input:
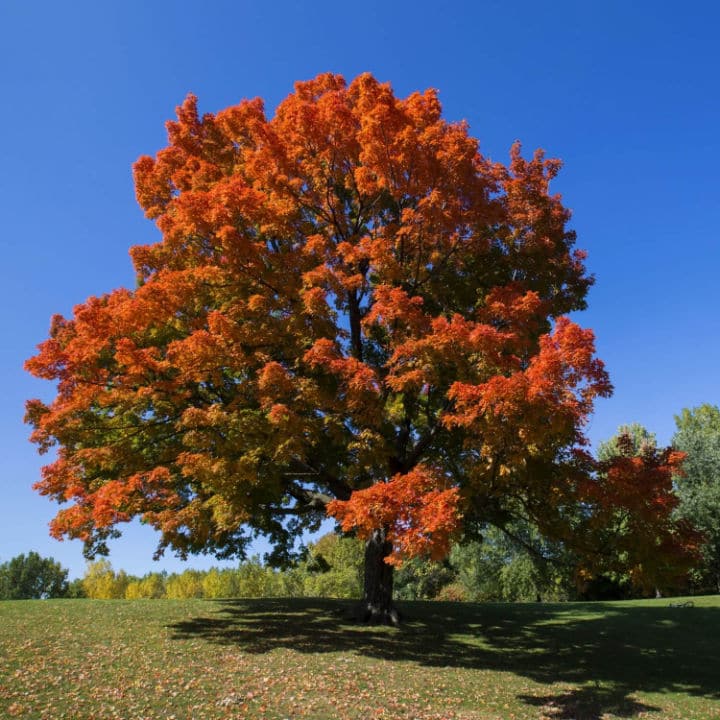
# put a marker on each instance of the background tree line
(513, 564)
(488, 570)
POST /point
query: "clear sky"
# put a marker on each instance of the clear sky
(626, 93)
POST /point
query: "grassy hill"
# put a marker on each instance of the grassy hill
(304, 658)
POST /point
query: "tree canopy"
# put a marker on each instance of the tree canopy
(630, 440)
(642, 541)
(352, 312)
(32, 577)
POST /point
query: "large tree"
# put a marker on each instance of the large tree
(351, 311)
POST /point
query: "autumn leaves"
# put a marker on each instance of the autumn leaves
(348, 301)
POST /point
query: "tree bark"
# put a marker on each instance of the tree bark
(377, 605)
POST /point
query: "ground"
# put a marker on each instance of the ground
(303, 658)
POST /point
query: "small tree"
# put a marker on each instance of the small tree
(334, 567)
(76, 589)
(422, 579)
(101, 582)
(256, 580)
(149, 587)
(221, 583)
(630, 514)
(184, 585)
(32, 577)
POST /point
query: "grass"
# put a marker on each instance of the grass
(304, 658)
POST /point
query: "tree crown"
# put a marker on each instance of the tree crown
(350, 310)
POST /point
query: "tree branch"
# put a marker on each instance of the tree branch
(355, 330)
(312, 500)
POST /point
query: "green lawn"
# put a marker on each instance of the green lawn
(305, 659)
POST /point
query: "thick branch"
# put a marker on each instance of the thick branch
(340, 489)
(309, 498)
(355, 331)
(408, 462)
(421, 446)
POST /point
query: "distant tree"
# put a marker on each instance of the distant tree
(188, 584)
(477, 565)
(133, 590)
(258, 580)
(212, 586)
(513, 564)
(290, 582)
(101, 582)
(32, 577)
(638, 436)
(221, 583)
(76, 589)
(520, 580)
(334, 567)
(422, 579)
(698, 435)
(149, 587)
(630, 515)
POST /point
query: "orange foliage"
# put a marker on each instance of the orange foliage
(629, 506)
(419, 514)
(348, 301)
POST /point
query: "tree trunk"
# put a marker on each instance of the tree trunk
(377, 605)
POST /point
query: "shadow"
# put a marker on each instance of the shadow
(609, 651)
(590, 703)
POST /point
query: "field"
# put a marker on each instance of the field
(293, 659)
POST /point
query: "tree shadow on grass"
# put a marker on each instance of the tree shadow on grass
(590, 703)
(607, 651)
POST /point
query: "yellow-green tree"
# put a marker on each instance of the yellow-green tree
(335, 567)
(101, 582)
(220, 584)
(188, 584)
(151, 586)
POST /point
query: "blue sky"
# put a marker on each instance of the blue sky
(625, 93)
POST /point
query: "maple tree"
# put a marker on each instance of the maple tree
(351, 312)
(628, 513)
